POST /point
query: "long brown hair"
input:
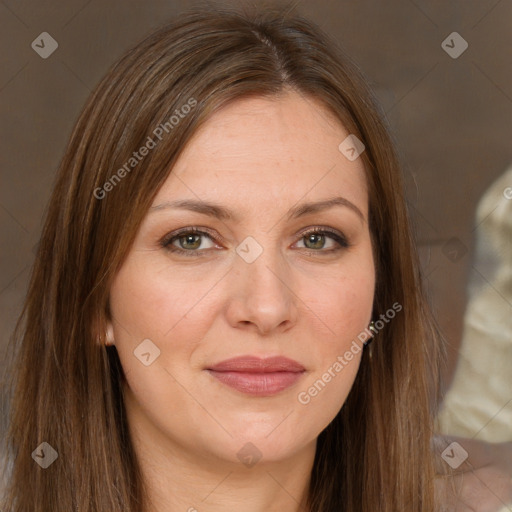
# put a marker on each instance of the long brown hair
(66, 391)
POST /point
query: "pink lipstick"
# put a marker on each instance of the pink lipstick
(257, 376)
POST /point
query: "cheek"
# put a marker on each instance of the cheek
(345, 309)
(173, 309)
(343, 302)
(148, 303)
(341, 309)
(145, 305)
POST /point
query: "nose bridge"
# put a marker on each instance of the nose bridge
(262, 266)
(262, 282)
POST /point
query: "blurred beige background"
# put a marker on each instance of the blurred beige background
(451, 117)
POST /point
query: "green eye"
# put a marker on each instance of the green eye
(315, 240)
(187, 241)
(193, 241)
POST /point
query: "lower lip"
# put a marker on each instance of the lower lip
(258, 384)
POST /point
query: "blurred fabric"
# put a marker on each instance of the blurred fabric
(479, 402)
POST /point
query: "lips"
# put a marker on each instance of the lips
(253, 364)
(258, 376)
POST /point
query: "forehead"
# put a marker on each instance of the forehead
(267, 152)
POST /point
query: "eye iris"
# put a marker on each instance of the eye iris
(316, 239)
(189, 239)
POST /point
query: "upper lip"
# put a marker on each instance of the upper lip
(254, 364)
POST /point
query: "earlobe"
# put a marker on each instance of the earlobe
(103, 331)
(109, 334)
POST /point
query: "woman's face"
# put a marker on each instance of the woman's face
(256, 283)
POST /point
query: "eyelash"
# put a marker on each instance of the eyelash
(166, 241)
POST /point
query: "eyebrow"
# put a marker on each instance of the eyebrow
(223, 213)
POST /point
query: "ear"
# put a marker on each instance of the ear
(109, 339)
(104, 329)
(108, 326)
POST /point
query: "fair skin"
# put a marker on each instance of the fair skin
(259, 158)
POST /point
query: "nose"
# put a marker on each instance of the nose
(261, 296)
